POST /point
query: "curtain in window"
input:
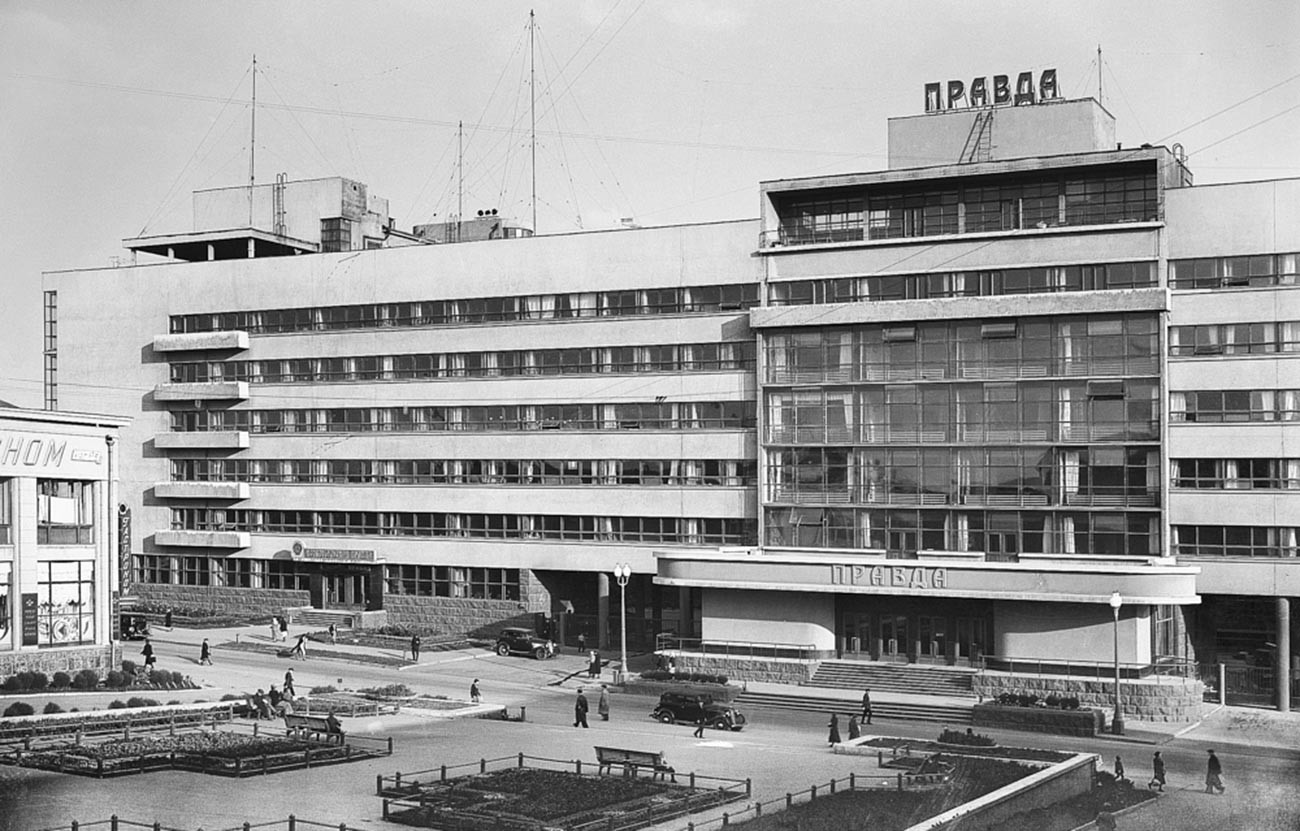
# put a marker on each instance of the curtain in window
(1290, 336)
(1066, 533)
(692, 472)
(776, 403)
(688, 531)
(1287, 542)
(778, 356)
(1291, 472)
(584, 304)
(533, 306)
(608, 415)
(1069, 475)
(1173, 540)
(1153, 538)
(605, 528)
(1177, 406)
(961, 532)
(454, 365)
(864, 529)
(1232, 475)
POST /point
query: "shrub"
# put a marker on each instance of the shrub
(969, 738)
(86, 679)
(117, 704)
(390, 691)
(11, 684)
(20, 708)
(180, 680)
(39, 681)
(175, 701)
(1070, 702)
(233, 697)
(52, 708)
(320, 691)
(61, 681)
(136, 701)
(115, 679)
(129, 667)
(691, 677)
(25, 680)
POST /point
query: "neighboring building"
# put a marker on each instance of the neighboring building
(59, 527)
(1020, 376)
(445, 436)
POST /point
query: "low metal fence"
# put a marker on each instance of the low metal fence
(1177, 670)
(116, 823)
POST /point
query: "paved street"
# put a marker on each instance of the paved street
(780, 751)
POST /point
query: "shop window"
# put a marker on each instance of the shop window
(64, 512)
(6, 511)
(6, 605)
(66, 603)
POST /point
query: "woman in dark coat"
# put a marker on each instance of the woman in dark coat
(854, 732)
(834, 737)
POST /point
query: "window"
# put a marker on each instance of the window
(153, 568)
(285, 574)
(1235, 541)
(65, 514)
(65, 612)
(6, 515)
(6, 605)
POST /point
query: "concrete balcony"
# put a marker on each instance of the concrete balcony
(203, 539)
(216, 440)
(201, 490)
(198, 341)
(202, 391)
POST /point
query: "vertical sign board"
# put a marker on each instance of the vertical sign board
(124, 548)
(30, 629)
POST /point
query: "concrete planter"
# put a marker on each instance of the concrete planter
(1084, 722)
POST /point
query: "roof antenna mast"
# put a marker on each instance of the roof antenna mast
(252, 147)
(1099, 73)
(532, 91)
(460, 175)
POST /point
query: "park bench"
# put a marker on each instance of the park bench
(632, 760)
(312, 726)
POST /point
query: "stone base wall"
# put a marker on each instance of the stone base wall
(64, 659)
(1167, 700)
(223, 599)
(773, 670)
(456, 615)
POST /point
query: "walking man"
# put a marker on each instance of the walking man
(474, 695)
(1157, 773)
(334, 633)
(699, 725)
(289, 691)
(415, 647)
(580, 710)
(1119, 769)
(167, 619)
(1213, 774)
(149, 659)
(205, 653)
(582, 642)
(866, 706)
(593, 665)
(602, 705)
(834, 737)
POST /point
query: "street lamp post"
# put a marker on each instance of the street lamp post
(622, 573)
(1117, 724)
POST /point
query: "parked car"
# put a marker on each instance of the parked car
(686, 708)
(518, 641)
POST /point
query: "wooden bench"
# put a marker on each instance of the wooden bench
(632, 760)
(312, 726)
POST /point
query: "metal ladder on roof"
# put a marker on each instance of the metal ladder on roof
(979, 142)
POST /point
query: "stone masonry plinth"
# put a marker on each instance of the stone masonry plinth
(1155, 699)
(773, 670)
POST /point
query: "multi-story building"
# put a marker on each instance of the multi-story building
(59, 538)
(1025, 395)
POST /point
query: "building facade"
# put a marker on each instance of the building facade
(1022, 390)
(59, 541)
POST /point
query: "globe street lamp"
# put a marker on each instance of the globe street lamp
(1117, 724)
(622, 573)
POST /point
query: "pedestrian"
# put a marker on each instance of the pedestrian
(672, 667)
(700, 721)
(1119, 769)
(289, 691)
(1157, 773)
(262, 705)
(582, 643)
(415, 647)
(866, 706)
(205, 653)
(275, 629)
(334, 634)
(1214, 774)
(580, 710)
(834, 737)
(300, 648)
(147, 652)
(275, 697)
(167, 618)
(284, 628)
(602, 705)
(474, 695)
(854, 732)
(593, 665)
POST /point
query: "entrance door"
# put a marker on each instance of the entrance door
(893, 638)
(933, 636)
(970, 639)
(857, 636)
(346, 590)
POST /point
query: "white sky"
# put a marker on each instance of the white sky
(665, 111)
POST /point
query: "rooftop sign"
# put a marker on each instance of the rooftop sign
(956, 95)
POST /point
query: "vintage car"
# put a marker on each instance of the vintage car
(519, 641)
(686, 708)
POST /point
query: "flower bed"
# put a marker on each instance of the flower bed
(215, 752)
(529, 797)
(1017, 754)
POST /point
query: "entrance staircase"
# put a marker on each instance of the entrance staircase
(908, 692)
(910, 679)
(916, 708)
